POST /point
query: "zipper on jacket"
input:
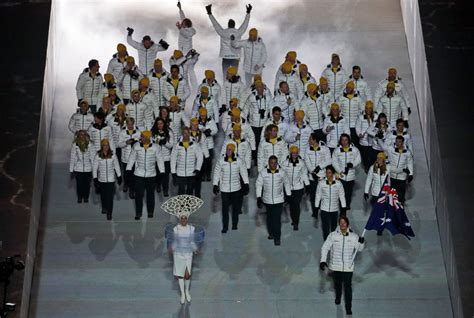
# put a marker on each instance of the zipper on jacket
(144, 165)
(83, 163)
(273, 198)
(230, 176)
(329, 207)
(251, 59)
(342, 256)
(106, 171)
(185, 162)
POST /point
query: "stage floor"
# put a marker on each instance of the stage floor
(90, 267)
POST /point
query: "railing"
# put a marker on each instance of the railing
(419, 66)
(40, 166)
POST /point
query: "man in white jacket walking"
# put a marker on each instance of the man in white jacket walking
(341, 245)
(230, 55)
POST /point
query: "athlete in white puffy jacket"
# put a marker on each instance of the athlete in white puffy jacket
(99, 130)
(129, 79)
(297, 173)
(88, 86)
(233, 88)
(392, 105)
(351, 107)
(272, 145)
(329, 194)
(286, 101)
(341, 245)
(290, 57)
(230, 56)
(82, 119)
(313, 110)
(147, 50)
(345, 160)
(378, 130)
(215, 89)
(209, 128)
(177, 117)
(158, 76)
(298, 132)
(289, 76)
(164, 138)
(110, 87)
(271, 186)
(185, 43)
(305, 78)
(400, 130)
(317, 157)
(80, 165)
(364, 122)
(376, 176)
(400, 89)
(229, 170)
(255, 54)
(204, 100)
(186, 62)
(176, 85)
(128, 136)
(336, 76)
(334, 126)
(189, 164)
(277, 120)
(118, 61)
(247, 131)
(243, 148)
(325, 95)
(106, 167)
(360, 84)
(140, 112)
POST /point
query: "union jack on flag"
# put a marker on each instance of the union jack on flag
(388, 213)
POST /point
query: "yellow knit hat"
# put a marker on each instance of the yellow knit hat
(369, 104)
(234, 100)
(235, 112)
(232, 71)
(158, 62)
(258, 83)
(334, 106)
(203, 111)
(294, 149)
(350, 84)
(177, 54)
(194, 120)
(145, 81)
(291, 55)
(174, 99)
(312, 87)
(236, 127)
(230, 146)
(303, 67)
(104, 142)
(381, 155)
(209, 74)
(391, 85)
(121, 48)
(253, 32)
(121, 107)
(299, 114)
(323, 80)
(392, 69)
(204, 89)
(108, 77)
(146, 134)
(130, 59)
(286, 67)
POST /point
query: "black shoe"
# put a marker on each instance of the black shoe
(166, 194)
(104, 211)
(295, 227)
(379, 233)
(277, 243)
(337, 301)
(150, 215)
(234, 227)
(138, 218)
(349, 312)
(86, 200)
(224, 231)
(270, 237)
(158, 189)
(109, 217)
(125, 189)
(314, 215)
(79, 200)
(208, 179)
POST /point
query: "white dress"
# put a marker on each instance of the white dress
(183, 248)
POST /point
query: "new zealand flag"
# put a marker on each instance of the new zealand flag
(388, 213)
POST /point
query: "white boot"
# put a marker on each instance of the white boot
(181, 289)
(186, 288)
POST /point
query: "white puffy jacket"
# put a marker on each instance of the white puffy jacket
(296, 172)
(336, 80)
(227, 51)
(124, 136)
(141, 113)
(398, 161)
(334, 128)
(267, 149)
(212, 126)
(185, 37)
(116, 128)
(251, 90)
(243, 149)
(317, 157)
(145, 159)
(211, 106)
(373, 130)
(97, 133)
(287, 111)
(394, 107)
(400, 90)
(313, 111)
(182, 91)
(362, 87)
(292, 79)
(215, 91)
(178, 120)
(167, 147)
(247, 132)
(80, 121)
(201, 139)
(328, 195)
(105, 169)
(303, 132)
(115, 66)
(81, 161)
(255, 53)
(149, 100)
(127, 83)
(252, 108)
(282, 127)
(158, 85)
(272, 186)
(362, 128)
(325, 100)
(189, 159)
(234, 89)
(341, 248)
(146, 57)
(227, 174)
(341, 158)
(351, 108)
(88, 87)
(375, 180)
(104, 92)
(184, 63)
(390, 139)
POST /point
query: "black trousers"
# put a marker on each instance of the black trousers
(118, 153)
(163, 179)
(83, 184)
(401, 187)
(343, 278)
(185, 185)
(320, 134)
(365, 153)
(93, 108)
(257, 131)
(129, 177)
(143, 185)
(197, 184)
(206, 170)
(233, 199)
(274, 220)
(348, 186)
(107, 191)
(295, 208)
(354, 137)
(313, 186)
(329, 222)
(373, 155)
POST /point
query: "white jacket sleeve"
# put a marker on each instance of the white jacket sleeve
(259, 186)
(404, 108)
(80, 87)
(186, 91)
(357, 158)
(71, 124)
(368, 181)
(260, 156)
(243, 172)
(95, 167)
(238, 43)
(217, 26)
(248, 157)
(159, 160)
(244, 26)
(217, 173)
(174, 159)
(304, 176)
(263, 57)
(131, 159)
(342, 197)
(325, 249)
(318, 198)
(136, 45)
(199, 158)
(335, 163)
(72, 160)
(287, 184)
(117, 169)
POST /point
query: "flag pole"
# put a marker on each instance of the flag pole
(357, 250)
